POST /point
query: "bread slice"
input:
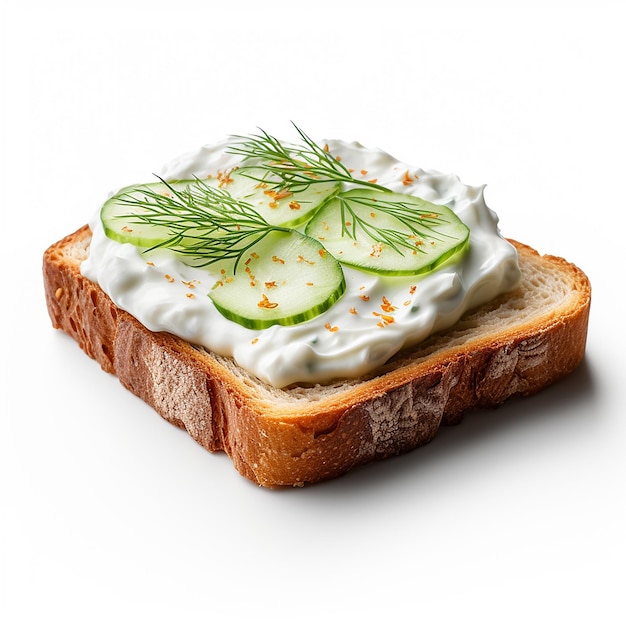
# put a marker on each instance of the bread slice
(515, 345)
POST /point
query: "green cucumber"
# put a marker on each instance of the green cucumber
(256, 186)
(117, 216)
(286, 279)
(388, 233)
(282, 209)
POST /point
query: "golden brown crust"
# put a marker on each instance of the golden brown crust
(298, 436)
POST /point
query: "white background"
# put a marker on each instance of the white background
(109, 515)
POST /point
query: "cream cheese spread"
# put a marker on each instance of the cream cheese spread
(376, 317)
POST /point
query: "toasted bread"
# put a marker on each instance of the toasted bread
(516, 345)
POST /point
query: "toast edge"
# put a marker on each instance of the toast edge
(193, 391)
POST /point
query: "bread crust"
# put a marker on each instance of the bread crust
(301, 435)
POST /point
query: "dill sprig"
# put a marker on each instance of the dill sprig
(293, 166)
(298, 166)
(419, 223)
(205, 222)
(208, 223)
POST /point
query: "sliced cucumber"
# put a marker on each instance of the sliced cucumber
(118, 221)
(388, 233)
(279, 208)
(285, 279)
(283, 209)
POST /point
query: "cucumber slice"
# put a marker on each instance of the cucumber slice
(388, 233)
(117, 220)
(282, 209)
(285, 279)
(256, 186)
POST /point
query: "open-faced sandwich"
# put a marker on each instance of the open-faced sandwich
(310, 307)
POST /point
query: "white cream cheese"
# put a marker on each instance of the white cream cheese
(376, 317)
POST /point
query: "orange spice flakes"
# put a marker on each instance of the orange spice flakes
(169, 278)
(126, 229)
(294, 206)
(407, 179)
(377, 249)
(276, 196)
(412, 290)
(255, 340)
(265, 303)
(330, 328)
(385, 320)
(251, 276)
(224, 178)
(277, 259)
(190, 284)
(364, 297)
(327, 149)
(363, 172)
(270, 284)
(353, 311)
(301, 259)
(191, 296)
(386, 306)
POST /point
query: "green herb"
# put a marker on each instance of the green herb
(295, 167)
(412, 223)
(206, 222)
(298, 166)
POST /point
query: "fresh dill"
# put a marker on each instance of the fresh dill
(299, 166)
(205, 222)
(413, 225)
(294, 166)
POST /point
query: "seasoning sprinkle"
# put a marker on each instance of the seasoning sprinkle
(266, 304)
